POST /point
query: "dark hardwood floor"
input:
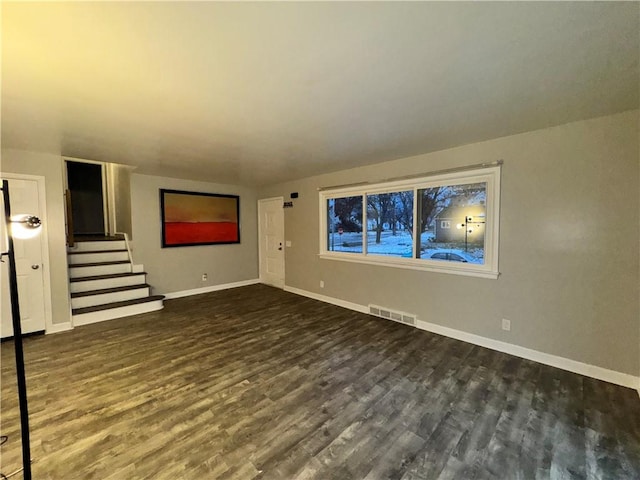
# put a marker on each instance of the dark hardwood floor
(258, 383)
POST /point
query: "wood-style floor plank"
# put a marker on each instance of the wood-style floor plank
(257, 383)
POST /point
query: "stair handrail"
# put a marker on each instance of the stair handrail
(126, 243)
(69, 218)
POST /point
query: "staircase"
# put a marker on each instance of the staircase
(104, 284)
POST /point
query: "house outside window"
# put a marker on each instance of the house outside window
(456, 229)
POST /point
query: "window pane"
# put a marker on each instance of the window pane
(390, 224)
(452, 223)
(344, 224)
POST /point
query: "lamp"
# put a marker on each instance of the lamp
(468, 219)
(25, 226)
(20, 226)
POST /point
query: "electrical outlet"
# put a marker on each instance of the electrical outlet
(321, 283)
(506, 324)
(204, 277)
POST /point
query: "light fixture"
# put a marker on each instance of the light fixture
(15, 226)
(25, 226)
(468, 229)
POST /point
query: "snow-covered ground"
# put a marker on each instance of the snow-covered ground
(401, 245)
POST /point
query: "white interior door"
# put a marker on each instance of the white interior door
(271, 233)
(24, 199)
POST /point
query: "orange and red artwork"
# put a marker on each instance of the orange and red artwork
(190, 218)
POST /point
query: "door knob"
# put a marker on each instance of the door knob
(35, 267)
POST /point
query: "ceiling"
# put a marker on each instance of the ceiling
(258, 93)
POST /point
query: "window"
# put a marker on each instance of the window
(445, 223)
(389, 224)
(344, 220)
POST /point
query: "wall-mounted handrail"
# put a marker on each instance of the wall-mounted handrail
(126, 242)
(69, 218)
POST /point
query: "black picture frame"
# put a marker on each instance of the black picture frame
(197, 218)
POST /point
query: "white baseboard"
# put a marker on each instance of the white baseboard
(58, 327)
(611, 376)
(331, 300)
(212, 288)
(563, 363)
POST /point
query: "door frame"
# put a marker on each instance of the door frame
(106, 197)
(44, 243)
(261, 252)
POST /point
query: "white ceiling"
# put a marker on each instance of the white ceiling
(256, 93)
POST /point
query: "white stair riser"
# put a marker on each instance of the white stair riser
(78, 272)
(92, 246)
(85, 286)
(79, 259)
(91, 300)
(102, 315)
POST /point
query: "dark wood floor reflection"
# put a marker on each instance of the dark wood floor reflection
(258, 383)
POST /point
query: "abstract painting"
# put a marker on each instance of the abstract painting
(192, 218)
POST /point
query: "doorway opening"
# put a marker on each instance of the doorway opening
(86, 198)
(98, 200)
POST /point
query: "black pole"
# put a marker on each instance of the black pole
(466, 232)
(17, 338)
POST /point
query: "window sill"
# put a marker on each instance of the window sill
(412, 264)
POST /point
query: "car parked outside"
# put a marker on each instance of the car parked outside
(454, 256)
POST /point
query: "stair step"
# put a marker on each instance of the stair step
(148, 304)
(105, 277)
(84, 252)
(109, 294)
(97, 264)
(99, 256)
(100, 282)
(110, 290)
(86, 237)
(99, 268)
(108, 306)
(97, 245)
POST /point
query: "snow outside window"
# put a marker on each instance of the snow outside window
(344, 224)
(446, 223)
(390, 224)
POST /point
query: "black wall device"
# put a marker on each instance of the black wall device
(294, 195)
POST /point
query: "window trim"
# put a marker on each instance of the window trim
(489, 175)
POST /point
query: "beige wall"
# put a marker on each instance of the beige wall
(569, 242)
(50, 167)
(569, 245)
(120, 177)
(178, 269)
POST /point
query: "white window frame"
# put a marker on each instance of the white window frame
(489, 269)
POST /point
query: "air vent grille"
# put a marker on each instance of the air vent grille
(396, 316)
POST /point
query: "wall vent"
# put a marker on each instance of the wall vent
(409, 319)
(396, 316)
